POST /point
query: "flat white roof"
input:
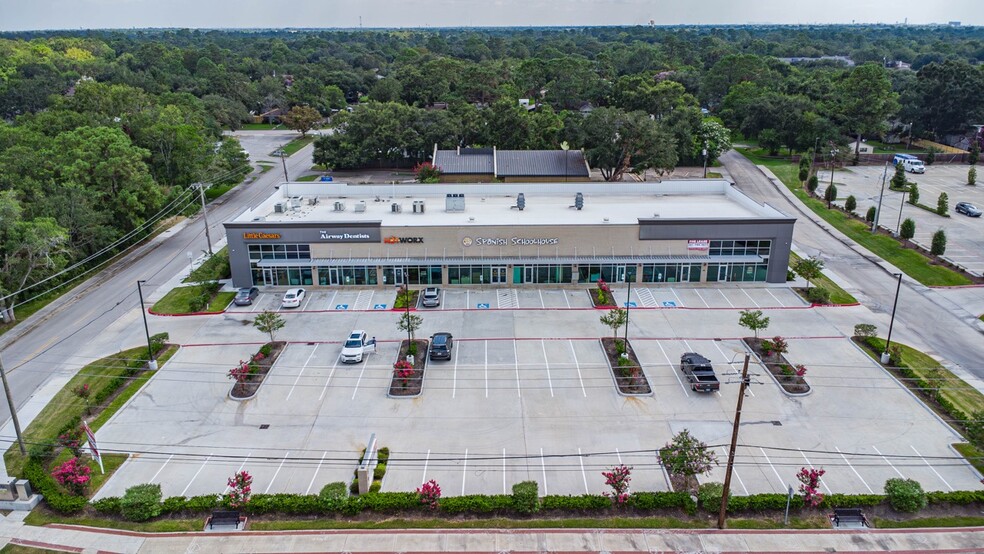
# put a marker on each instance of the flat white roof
(495, 204)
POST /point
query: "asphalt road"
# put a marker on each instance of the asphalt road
(69, 333)
(925, 318)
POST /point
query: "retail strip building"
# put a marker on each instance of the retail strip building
(332, 234)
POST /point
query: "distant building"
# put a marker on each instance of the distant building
(484, 165)
(865, 148)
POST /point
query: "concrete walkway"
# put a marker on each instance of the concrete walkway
(83, 539)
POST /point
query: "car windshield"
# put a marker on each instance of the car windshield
(440, 340)
(353, 343)
(244, 293)
(289, 296)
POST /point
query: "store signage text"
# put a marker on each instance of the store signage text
(261, 236)
(698, 245)
(403, 240)
(327, 235)
(514, 241)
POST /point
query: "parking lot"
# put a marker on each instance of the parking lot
(965, 235)
(539, 407)
(356, 299)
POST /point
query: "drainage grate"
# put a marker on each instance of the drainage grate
(265, 426)
(310, 344)
(777, 423)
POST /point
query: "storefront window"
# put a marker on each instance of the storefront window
(544, 274)
(612, 273)
(477, 274)
(670, 273)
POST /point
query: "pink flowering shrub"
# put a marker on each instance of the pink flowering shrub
(74, 475)
(429, 494)
(618, 479)
(240, 489)
(240, 373)
(800, 370)
(810, 487)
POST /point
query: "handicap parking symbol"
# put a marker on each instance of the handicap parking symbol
(483, 306)
(669, 304)
(379, 306)
(341, 306)
(630, 304)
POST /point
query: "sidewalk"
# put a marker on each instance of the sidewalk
(82, 539)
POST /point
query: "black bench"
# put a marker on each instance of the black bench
(224, 517)
(849, 517)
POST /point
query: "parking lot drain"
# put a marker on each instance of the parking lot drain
(777, 423)
(265, 426)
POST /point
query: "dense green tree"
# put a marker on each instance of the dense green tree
(301, 119)
(616, 141)
(865, 100)
(949, 97)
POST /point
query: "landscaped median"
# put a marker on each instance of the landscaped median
(204, 298)
(836, 295)
(910, 261)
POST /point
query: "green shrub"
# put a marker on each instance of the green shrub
(141, 502)
(109, 506)
(376, 486)
(288, 504)
(158, 341)
(761, 502)
(812, 184)
(477, 504)
(354, 487)
(851, 204)
(383, 455)
(390, 502)
(45, 484)
(379, 471)
(869, 216)
(818, 295)
(333, 496)
(658, 500)
(850, 500)
(203, 503)
(709, 496)
(174, 505)
(584, 502)
(905, 495)
(955, 497)
(526, 497)
(865, 330)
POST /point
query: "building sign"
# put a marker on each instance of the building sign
(403, 240)
(261, 236)
(513, 241)
(330, 236)
(698, 244)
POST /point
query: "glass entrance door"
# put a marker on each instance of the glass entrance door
(398, 275)
(684, 273)
(269, 277)
(529, 274)
(620, 274)
(498, 275)
(723, 272)
(332, 276)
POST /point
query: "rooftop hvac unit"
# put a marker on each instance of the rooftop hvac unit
(360, 206)
(339, 206)
(454, 203)
(521, 202)
(396, 207)
(278, 208)
(418, 206)
(579, 201)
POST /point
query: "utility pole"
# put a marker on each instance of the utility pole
(208, 237)
(283, 161)
(628, 296)
(151, 362)
(874, 223)
(13, 411)
(734, 444)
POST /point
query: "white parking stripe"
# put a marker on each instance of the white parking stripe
(578, 366)
(330, 375)
(454, 375)
(809, 463)
(301, 372)
(888, 462)
(307, 300)
(726, 298)
(735, 471)
(566, 299)
(854, 470)
(519, 388)
(542, 305)
(679, 302)
(331, 303)
(931, 467)
(154, 478)
(464, 473)
(782, 485)
(241, 466)
(205, 463)
(315, 476)
(365, 362)
(503, 471)
(619, 454)
(543, 467)
(486, 369)
(584, 476)
(546, 364)
(274, 478)
(774, 296)
(750, 298)
(672, 369)
(706, 305)
(423, 478)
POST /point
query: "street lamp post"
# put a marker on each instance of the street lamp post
(833, 156)
(151, 362)
(628, 296)
(283, 161)
(704, 151)
(898, 226)
(886, 357)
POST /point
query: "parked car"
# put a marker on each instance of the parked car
(355, 347)
(699, 372)
(967, 208)
(246, 296)
(431, 297)
(440, 346)
(292, 298)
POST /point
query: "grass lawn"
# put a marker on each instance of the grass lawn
(264, 167)
(18, 549)
(213, 269)
(837, 294)
(300, 142)
(66, 405)
(972, 454)
(44, 517)
(28, 309)
(946, 521)
(178, 301)
(965, 397)
(260, 126)
(308, 178)
(912, 263)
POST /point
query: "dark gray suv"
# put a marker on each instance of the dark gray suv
(440, 346)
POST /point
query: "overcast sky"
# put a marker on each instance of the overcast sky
(16, 15)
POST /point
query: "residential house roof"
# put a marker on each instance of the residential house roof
(512, 163)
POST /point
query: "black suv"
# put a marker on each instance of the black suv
(440, 346)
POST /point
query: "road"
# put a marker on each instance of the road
(69, 333)
(925, 318)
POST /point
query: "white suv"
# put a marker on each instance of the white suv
(357, 344)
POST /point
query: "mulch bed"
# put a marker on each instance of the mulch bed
(411, 299)
(413, 385)
(775, 363)
(252, 383)
(609, 300)
(630, 379)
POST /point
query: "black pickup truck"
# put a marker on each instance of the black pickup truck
(699, 372)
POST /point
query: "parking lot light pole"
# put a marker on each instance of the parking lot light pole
(886, 357)
(151, 362)
(734, 445)
(898, 226)
(628, 296)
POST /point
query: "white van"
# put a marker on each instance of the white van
(909, 163)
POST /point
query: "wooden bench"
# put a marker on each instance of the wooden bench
(224, 517)
(849, 517)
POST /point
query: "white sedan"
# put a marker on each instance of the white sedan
(292, 298)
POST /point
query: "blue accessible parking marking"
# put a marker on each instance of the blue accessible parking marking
(341, 306)
(669, 304)
(630, 304)
(483, 306)
(379, 306)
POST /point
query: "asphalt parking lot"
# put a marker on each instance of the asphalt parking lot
(965, 235)
(356, 299)
(527, 395)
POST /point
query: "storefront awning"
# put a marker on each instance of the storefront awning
(495, 260)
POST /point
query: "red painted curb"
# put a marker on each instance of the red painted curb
(152, 312)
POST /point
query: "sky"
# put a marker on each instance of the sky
(20, 15)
